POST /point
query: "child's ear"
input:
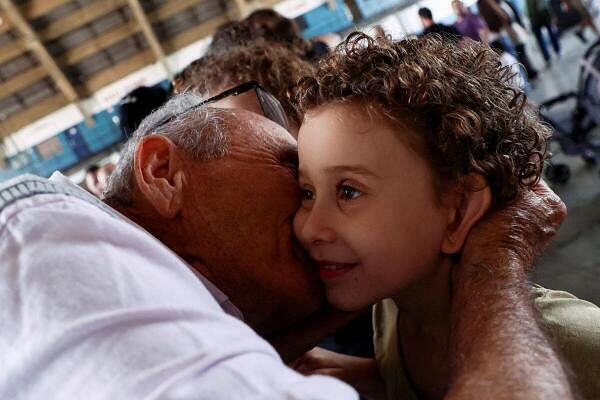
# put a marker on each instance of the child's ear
(471, 203)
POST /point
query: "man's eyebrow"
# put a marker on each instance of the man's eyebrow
(356, 169)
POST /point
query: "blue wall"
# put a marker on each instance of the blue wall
(79, 143)
(324, 20)
(369, 8)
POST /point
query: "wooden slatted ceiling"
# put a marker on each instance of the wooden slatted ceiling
(22, 80)
(36, 8)
(35, 112)
(169, 8)
(191, 35)
(96, 44)
(11, 50)
(88, 14)
(5, 26)
(80, 17)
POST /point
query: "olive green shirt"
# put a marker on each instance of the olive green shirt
(573, 325)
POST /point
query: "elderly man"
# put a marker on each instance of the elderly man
(143, 296)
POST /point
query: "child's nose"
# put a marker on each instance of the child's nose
(318, 227)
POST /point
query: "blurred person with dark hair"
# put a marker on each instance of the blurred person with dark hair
(231, 33)
(138, 104)
(96, 178)
(429, 26)
(274, 66)
(272, 26)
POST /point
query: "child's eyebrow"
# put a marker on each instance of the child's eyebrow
(357, 169)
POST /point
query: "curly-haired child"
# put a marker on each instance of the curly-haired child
(404, 147)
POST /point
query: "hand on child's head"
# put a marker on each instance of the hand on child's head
(524, 227)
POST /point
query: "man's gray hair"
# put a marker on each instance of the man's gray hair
(199, 132)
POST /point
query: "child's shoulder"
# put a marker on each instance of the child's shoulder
(573, 325)
(387, 354)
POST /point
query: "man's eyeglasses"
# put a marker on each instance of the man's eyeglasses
(270, 106)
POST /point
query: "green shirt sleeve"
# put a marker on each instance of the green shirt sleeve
(573, 326)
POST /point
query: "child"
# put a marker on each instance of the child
(404, 147)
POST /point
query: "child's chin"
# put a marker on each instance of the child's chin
(346, 304)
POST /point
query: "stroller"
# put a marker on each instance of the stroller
(573, 127)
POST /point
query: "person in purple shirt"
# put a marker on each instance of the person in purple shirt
(468, 24)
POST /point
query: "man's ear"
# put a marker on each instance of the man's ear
(472, 202)
(159, 175)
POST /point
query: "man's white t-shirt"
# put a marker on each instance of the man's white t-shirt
(94, 307)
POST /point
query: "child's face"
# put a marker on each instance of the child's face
(369, 213)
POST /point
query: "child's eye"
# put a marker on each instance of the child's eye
(347, 192)
(306, 194)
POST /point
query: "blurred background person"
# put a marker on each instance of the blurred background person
(269, 25)
(429, 26)
(469, 24)
(540, 16)
(501, 28)
(585, 15)
(518, 34)
(139, 103)
(96, 178)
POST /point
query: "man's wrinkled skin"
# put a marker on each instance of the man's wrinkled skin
(492, 304)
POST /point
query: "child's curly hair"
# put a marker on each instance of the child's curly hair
(458, 97)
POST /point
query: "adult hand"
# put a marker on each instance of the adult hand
(522, 229)
(302, 337)
(360, 372)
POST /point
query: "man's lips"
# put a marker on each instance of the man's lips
(330, 269)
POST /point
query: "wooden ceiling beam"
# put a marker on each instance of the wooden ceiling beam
(11, 50)
(80, 17)
(34, 44)
(5, 25)
(33, 113)
(36, 8)
(99, 80)
(241, 9)
(99, 43)
(192, 35)
(170, 8)
(22, 80)
(140, 60)
(142, 19)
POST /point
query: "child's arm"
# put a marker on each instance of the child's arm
(498, 350)
(362, 373)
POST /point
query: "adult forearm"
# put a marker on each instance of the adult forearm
(498, 350)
